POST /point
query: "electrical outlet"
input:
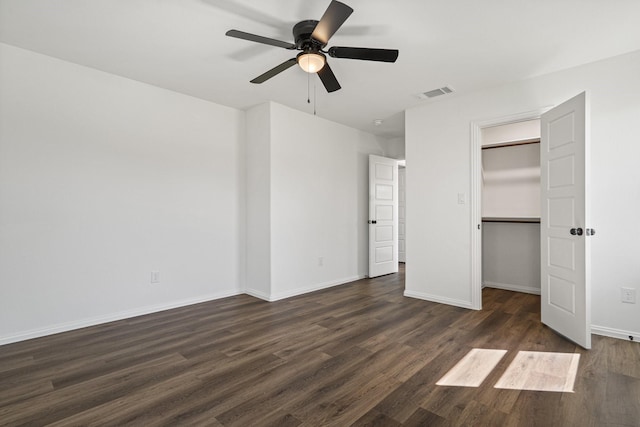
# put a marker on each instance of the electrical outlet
(155, 276)
(320, 261)
(628, 295)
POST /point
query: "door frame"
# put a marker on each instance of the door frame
(476, 193)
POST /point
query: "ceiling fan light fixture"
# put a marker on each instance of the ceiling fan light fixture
(311, 62)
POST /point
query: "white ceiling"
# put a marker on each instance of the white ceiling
(466, 44)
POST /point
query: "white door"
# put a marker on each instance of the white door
(402, 209)
(565, 275)
(383, 216)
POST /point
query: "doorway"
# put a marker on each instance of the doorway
(476, 188)
(511, 207)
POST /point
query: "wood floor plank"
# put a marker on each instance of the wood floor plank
(358, 354)
(50, 407)
(287, 387)
(500, 399)
(538, 408)
(476, 413)
(207, 399)
(325, 404)
(422, 417)
(374, 418)
(135, 407)
(622, 400)
(352, 405)
(15, 392)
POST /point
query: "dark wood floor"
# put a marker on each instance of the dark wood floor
(358, 354)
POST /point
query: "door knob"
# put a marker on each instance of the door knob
(591, 231)
(373, 221)
(576, 231)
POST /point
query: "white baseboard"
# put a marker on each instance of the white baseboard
(257, 294)
(69, 326)
(438, 299)
(507, 287)
(313, 288)
(615, 333)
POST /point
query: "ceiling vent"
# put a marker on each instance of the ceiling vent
(435, 92)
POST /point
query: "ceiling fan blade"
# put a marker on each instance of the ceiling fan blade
(328, 79)
(333, 18)
(274, 71)
(259, 39)
(366, 54)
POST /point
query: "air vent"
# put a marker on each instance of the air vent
(435, 92)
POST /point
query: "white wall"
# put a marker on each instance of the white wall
(511, 181)
(258, 201)
(317, 209)
(103, 179)
(511, 256)
(512, 132)
(394, 148)
(438, 150)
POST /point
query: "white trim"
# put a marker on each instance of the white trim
(257, 294)
(615, 333)
(313, 288)
(438, 299)
(508, 287)
(476, 193)
(93, 321)
(476, 217)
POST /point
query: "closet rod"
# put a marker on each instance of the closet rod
(512, 144)
(515, 220)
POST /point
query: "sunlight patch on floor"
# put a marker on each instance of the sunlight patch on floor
(540, 371)
(473, 368)
(529, 370)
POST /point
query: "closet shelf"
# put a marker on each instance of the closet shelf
(533, 220)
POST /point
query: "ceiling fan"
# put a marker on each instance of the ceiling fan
(311, 37)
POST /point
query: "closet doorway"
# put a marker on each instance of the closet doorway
(564, 199)
(510, 206)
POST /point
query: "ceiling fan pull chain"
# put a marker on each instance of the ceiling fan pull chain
(308, 88)
(314, 99)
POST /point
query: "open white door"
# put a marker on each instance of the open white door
(565, 241)
(383, 216)
(402, 213)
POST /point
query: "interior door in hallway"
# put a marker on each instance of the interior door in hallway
(402, 185)
(383, 216)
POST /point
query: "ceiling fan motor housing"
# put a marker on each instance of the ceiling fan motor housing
(302, 35)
